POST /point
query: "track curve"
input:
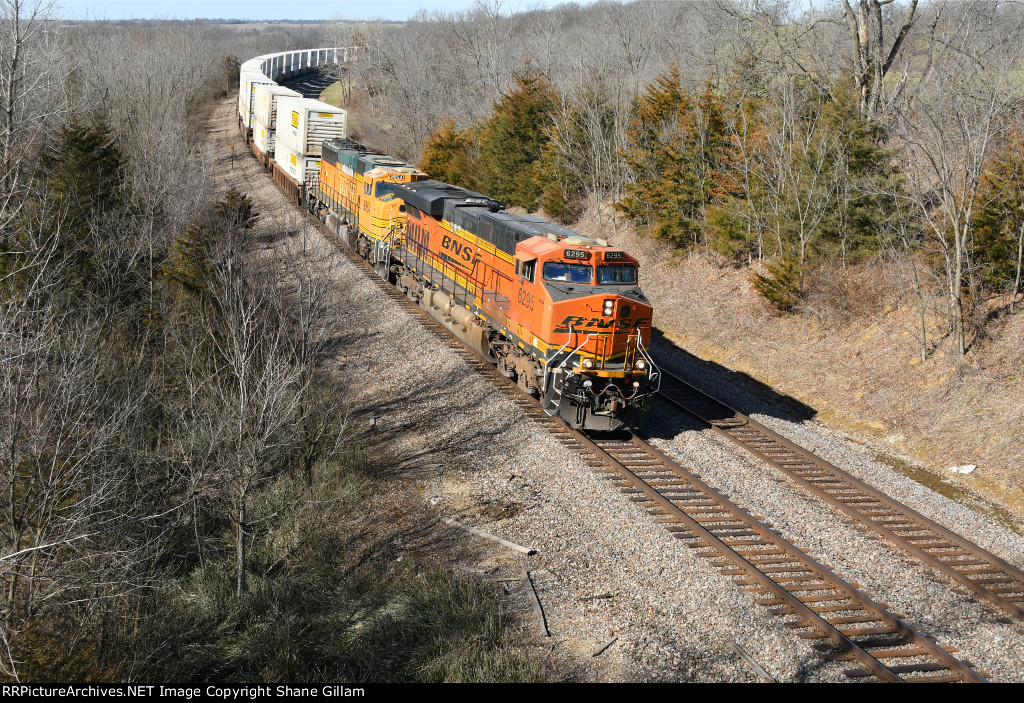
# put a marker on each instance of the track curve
(818, 604)
(966, 564)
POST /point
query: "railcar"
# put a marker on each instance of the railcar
(357, 186)
(561, 314)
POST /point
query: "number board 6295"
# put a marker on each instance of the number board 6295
(576, 254)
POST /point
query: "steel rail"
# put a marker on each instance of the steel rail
(739, 539)
(795, 584)
(826, 607)
(965, 563)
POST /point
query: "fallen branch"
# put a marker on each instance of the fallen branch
(599, 595)
(487, 535)
(537, 610)
(605, 646)
(758, 669)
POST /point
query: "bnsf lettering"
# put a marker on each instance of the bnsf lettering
(602, 322)
(461, 250)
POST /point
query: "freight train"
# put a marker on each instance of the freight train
(560, 313)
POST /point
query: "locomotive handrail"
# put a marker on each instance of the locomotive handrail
(655, 372)
(544, 382)
(583, 344)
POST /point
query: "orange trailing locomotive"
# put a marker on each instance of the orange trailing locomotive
(561, 314)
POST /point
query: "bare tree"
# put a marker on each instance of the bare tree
(871, 59)
(800, 171)
(32, 72)
(947, 127)
(61, 423)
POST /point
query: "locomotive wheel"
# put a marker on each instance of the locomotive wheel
(524, 383)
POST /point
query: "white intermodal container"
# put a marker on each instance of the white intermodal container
(266, 97)
(302, 169)
(247, 84)
(263, 137)
(303, 124)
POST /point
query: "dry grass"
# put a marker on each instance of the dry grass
(853, 353)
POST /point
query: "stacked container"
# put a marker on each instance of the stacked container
(266, 97)
(247, 84)
(263, 138)
(304, 124)
(302, 169)
(264, 112)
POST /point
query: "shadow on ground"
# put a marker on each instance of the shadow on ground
(737, 389)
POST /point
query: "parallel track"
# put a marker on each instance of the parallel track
(968, 565)
(818, 604)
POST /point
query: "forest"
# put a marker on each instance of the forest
(756, 132)
(169, 430)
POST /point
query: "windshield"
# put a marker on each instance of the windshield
(616, 274)
(383, 187)
(569, 273)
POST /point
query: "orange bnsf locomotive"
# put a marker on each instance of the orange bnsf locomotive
(558, 312)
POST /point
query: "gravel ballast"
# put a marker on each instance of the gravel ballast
(473, 455)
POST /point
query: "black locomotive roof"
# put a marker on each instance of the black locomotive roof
(431, 196)
(332, 148)
(476, 213)
(356, 156)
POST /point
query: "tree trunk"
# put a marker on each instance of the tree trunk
(1020, 260)
(240, 588)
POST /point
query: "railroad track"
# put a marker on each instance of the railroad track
(816, 603)
(969, 566)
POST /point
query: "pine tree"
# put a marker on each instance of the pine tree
(675, 146)
(867, 199)
(449, 155)
(999, 222)
(512, 142)
(83, 168)
(782, 286)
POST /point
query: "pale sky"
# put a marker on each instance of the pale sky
(269, 9)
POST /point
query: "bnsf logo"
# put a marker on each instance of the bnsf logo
(600, 323)
(462, 251)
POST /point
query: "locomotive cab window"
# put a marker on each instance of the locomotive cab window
(526, 269)
(366, 188)
(567, 273)
(383, 188)
(616, 275)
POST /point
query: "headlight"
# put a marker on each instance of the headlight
(588, 363)
(641, 364)
(609, 307)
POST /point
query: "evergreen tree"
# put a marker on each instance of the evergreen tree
(559, 191)
(82, 176)
(581, 158)
(512, 142)
(675, 145)
(870, 182)
(83, 168)
(450, 155)
(999, 222)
